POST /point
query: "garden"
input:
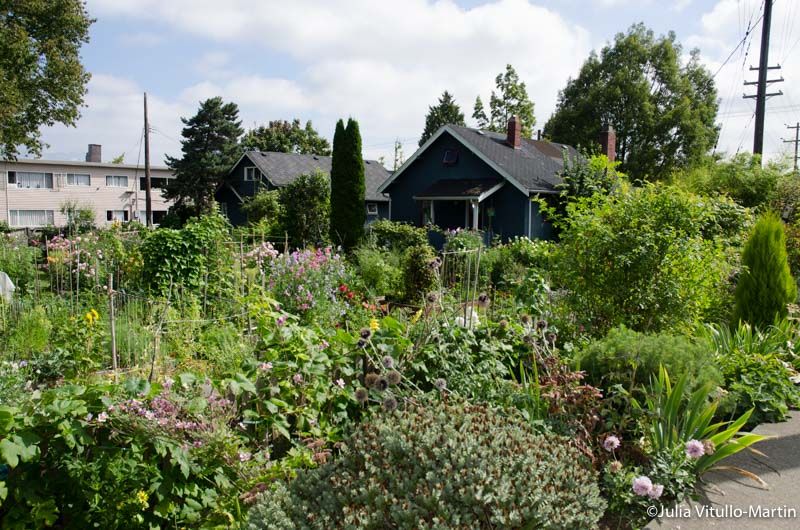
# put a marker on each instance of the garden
(207, 376)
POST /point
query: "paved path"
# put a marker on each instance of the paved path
(725, 493)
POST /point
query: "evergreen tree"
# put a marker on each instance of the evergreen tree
(479, 114)
(210, 148)
(348, 189)
(766, 285)
(281, 136)
(510, 99)
(445, 112)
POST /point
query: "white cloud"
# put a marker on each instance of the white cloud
(144, 39)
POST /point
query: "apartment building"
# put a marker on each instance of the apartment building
(34, 192)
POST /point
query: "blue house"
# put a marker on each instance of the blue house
(262, 171)
(481, 180)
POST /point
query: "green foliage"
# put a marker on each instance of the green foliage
(30, 335)
(586, 175)
(765, 285)
(306, 208)
(663, 111)
(652, 258)
(265, 209)
(509, 264)
(80, 218)
(209, 149)
(511, 99)
(348, 214)
(43, 81)
(473, 468)
(625, 357)
(755, 375)
(445, 112)
(397, 235)
(18, 260)
(380, 270)
(280, 136)
(420, 267)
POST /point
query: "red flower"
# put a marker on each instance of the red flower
(343, 288)
(350, 295)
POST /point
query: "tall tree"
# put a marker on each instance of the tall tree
(663, 111)
(348, 213)
(509, 99)
(42, 80)
(305, 209)
(281, 136)
(445, 112)
(210, 147)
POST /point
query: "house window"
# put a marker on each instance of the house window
(450, 157)
(223, 208)
(252, 174)
(372, 208)
(29, 180)
(116, 181)
(117, 215)
(31, 218)
(156, 183)
(77, 179)
(158, 216)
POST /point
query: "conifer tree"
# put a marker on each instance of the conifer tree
(766, 285)
(446, 111)
(348, 189)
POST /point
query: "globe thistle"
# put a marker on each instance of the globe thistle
(483, 300)
(390, 404)
(381, 384)
(362, 343)
(370, 380)
(365, 333)
(541, 324)
(393, 377)
(526, 320)
(431, 298)
(361, 395)
(440, 384)
(503, 324)
(388, 362)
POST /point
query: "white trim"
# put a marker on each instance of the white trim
(446, 128)
(263, 175)
(480, 198)
(375, 206)
(253, 176)
(241, 201)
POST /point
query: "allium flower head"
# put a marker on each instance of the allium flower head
(393, 377)
(615, 466)
(381, 384)
(526, 320)
(642, 486)
(695, 449)
(656, 491)
(388, 362)
(361, 395)
(362, 343)
(371, 379)
(708, 447)
(541, 324)
(365, 333)
(503, 324)
(389, 404)
(611, 443)
(440, 384)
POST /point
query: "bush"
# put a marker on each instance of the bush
(420, 267)
(508, 264)
(766, 285)
(306, 209)
(396, 235)
(18, 260)
(380, 270)
(456, 465)
(265, 210)
(631, 359)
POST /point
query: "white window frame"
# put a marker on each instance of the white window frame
(113, 179)
(252, 174)
(44, 174)
(71, 176)
(48, 215)
(372, 208)
(123, 214)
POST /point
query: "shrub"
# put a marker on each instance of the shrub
(265, 210)
(631, 359)
(306, 209)
(380, 270)
(508, 264)
(766, 285)
(396, 235)
(18, 260)
(420, 267)
(458, 465)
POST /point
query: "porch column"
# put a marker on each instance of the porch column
(475, 211)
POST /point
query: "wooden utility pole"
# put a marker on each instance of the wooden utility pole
(148, 199)
(796, 141)
(763, 68)
(111, 318)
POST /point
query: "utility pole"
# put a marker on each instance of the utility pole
(796, 141)
(148, 200)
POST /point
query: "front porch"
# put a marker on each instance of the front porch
(459, 203)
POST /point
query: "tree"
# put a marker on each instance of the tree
(264, 209)
(348, 213)
(511, 99)
(399, 158)
(306, 208)
(663, 111)
(280, 136)
(42, 80)
(585, 175)
(210, 148)
(445, 112)
(766, 285)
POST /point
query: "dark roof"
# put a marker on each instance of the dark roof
(283, 168)
(535, 165)
(466, 188)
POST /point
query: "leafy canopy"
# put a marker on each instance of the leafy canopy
(445, 112)
(663, 111)
(43, 81)
(280, 136)
(306, 208)
(510, 99)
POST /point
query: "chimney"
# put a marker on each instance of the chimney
(608, 142)
(94, 154)
(514, 135)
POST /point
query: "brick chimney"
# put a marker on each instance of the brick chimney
(608, 142)
(95, 153)
(514, 135)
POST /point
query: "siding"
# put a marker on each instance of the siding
(97, 196)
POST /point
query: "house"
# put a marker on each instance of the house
(32, 192)
(259, 171)
(481, 180)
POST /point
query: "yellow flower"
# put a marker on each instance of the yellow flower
(374, 325)
(142, 497)
(95, 314)
(89, 318)
(416, 316)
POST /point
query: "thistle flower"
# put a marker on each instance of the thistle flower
(389, 404)
(610, 443)
(483, 300)
(656, 491)
(615, 466)
(642, 486)
(709, 447)
(361, 343)
(388, 362)
(393, 377)
(365, 333)
(381, 384)
(440, 384)
(361, 395)
(503, 324)
(526, 320)
(371, 379)
(694, 449)
(431, 297)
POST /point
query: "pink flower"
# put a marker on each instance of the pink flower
(642, 486)
(102, 417)
(656, 491)
(610, 443)
(695, 449)
(340, 382)
(244, 456)
(265, 367)
(298, 379)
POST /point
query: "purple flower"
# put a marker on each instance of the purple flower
(610, 443)
(656, 491)
(265, 367)
(388, 362)
(281, 319)
(324, 344)
(695, 449)
(23, 364)
(642, 486)
(440, 384)
(102, 417)
(298, 379)
(244, 456)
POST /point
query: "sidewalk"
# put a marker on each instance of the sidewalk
(724, 493)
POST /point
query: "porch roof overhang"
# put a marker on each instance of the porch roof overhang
(460, 190)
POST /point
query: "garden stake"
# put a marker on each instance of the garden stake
(111, 318)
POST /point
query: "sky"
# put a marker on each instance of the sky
(384, 62)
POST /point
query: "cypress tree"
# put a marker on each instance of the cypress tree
(766, 284)
(348, 190)
(338, 172)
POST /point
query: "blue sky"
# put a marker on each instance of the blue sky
(384, 62)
